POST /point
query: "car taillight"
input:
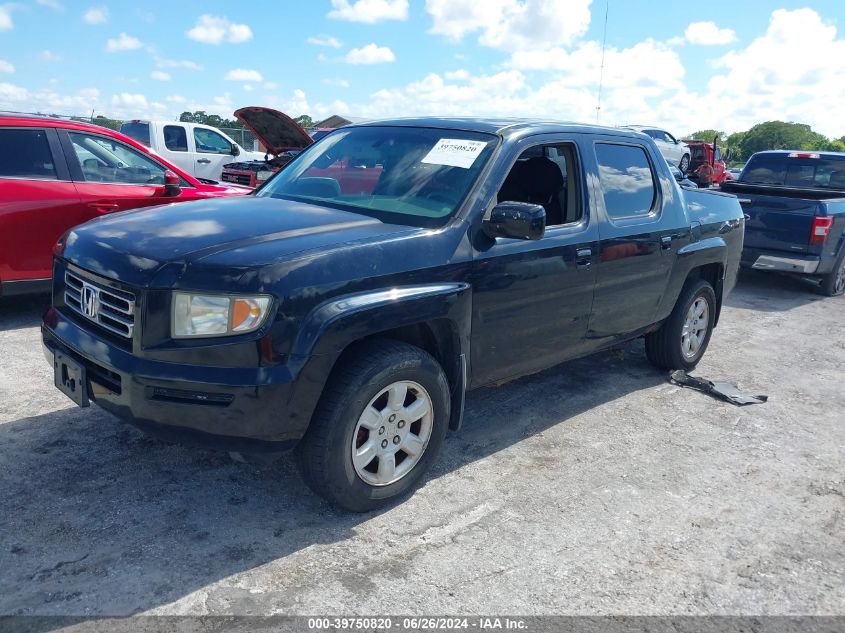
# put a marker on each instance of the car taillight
(821, 229)
(803, 155)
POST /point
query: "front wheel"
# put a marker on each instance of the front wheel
(684, 164)
(833, 284)
(378, 427)
(682, 340)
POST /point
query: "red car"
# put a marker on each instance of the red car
(55, 174)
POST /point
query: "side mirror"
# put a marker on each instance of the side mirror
(235, 150)
(518, 220)
(171, 185)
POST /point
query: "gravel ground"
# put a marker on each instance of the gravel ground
(592, 488)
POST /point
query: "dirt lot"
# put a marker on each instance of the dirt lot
(592, 488)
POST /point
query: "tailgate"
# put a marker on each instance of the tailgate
(775, 222)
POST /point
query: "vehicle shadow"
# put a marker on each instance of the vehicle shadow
(22, 311)
(771, 292)
(103, 520)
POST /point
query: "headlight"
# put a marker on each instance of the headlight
(197, 315)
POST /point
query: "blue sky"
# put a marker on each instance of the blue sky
(666, 63)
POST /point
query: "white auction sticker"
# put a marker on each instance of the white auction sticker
(454, 152)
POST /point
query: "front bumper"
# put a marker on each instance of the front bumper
(233, 408)
(780, 262)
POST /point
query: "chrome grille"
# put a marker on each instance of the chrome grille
(113, 310)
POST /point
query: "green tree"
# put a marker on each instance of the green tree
(734, 143)
(304, 121)
(781, 135)
(214, 120)
(707, 135)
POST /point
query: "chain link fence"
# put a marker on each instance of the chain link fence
(243, 137)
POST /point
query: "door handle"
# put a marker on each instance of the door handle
(583, 258)
(103, 207)
(205, 161)
(666, 242)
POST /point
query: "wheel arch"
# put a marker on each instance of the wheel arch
(433, 317)
(705, 259)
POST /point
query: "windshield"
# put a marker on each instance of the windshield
(416, 176)
(808, 173)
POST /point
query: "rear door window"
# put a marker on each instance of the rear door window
(627, 181)
(26, 154)
(175, 138)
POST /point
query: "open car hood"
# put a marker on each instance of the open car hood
(276, 130)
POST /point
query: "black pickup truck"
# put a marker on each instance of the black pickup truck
(348, 304)
(795, 205)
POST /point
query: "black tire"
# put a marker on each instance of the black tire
(833, 284)
(684, 164)
(664, 346)
(325, 453)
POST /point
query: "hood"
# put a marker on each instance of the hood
(243, 232)
(276, 130)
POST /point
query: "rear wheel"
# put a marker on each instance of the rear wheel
(833, 284)
(379, 425)
(684, 164)
(682, 340)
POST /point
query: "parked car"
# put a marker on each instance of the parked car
(200, 150)
(680, 177)
(796, 215)
(379, 277)
(673, 150)
(707, 165)
(55, 174)
(282, 137)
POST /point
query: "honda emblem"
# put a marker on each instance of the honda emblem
(90, 301)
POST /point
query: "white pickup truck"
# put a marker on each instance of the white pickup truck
(200, 150)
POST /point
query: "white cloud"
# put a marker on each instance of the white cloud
(370, 54)
(177, 63)
(271, 85)
(369, 11)
(11, 94)
(123, 42)
(247, 87)
(511, 25)
(48, 56)
(126, 99)
(779, 76)
(243, 74)
(456, 74)
(96, 15)
(53, 4)
(160, 75)
(338, 82)
(175, 99)
(707, 33)
(5, 19)
(212, 29)
(649, 66)
(325, 40)
(6, 67)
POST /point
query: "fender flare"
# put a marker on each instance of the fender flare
(334, 325)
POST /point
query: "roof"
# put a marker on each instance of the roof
(500, 126)
(802, 151)
(12, 118)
